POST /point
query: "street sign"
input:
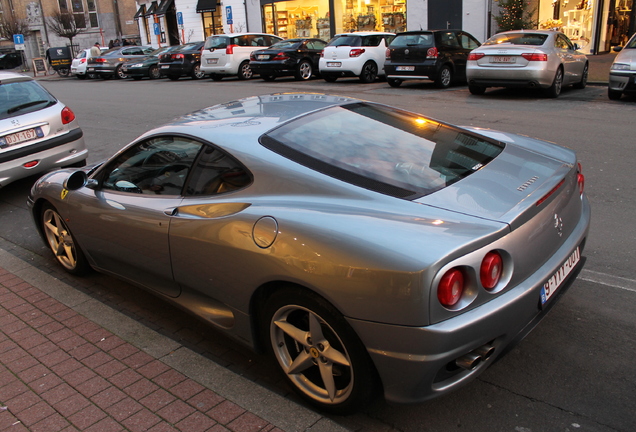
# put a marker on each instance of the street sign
(179, 18)
(156, 29)
(228, 14)
(18, 39)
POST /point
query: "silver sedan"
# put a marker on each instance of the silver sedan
(622, 76)
(529, 59)
(366, 248)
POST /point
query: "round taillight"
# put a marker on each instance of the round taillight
(490, 271)
(67, 115)
(580, 178)
(451, 288)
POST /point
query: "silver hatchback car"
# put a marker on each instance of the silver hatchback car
(542, 59)
(37, 132)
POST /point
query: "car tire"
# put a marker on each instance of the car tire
(91, 76)
(394, 82)
(444, 77)
(304, 71)
(329, 78)
(476, 89)
(555, 89)
(154, 72)
(614, 94)
(216, 77)
(245, 71)
(581, 84)
(61, 242)
(119, 73)
(369, 72)
(174, 77)
(81, 77)
(268, 77)
(197, 73)
(310, 339)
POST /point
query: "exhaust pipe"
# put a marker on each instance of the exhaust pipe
(468, 361)
(485, 351)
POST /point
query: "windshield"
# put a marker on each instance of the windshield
(345, 40)
(536, 39)
(383, 149)
(631, 44)
(287, 44)
(413, 40)
(21, 97)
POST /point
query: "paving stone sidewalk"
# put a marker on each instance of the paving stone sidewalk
(70, 363)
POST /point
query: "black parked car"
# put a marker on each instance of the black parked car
(437, 55)
(147, 66)
(184, 61)
(10, 60)
(297, 57)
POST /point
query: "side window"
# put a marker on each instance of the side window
(316, 45)
(468, 42)
(243, 41)
(216, 172)
(371, 41)
(156, 166)
(449, 40)
(561, 43)
(148, 50)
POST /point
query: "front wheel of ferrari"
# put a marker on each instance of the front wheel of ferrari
(61, 242)
(319, 353)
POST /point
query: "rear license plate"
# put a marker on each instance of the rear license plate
(213, 61)
(334, 64)
(91, 69)
(503, 59)
(553, 284)
(165, 66)
(262, 57)
(405, 68)
(22, 136)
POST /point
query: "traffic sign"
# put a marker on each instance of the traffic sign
(228, 14)
(180, 18)
(156, 29)
(18, 39)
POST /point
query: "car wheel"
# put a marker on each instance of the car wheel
(614, 94)
(174, 77)
(119, 73)
(216, 77)
(369, 72)
(304, 71)
(267, 77)
(91, 76)
(245, 71)
(197, 73)
(61, 241)
(394, 82)
(581, 84)
(154, 72)
(555, 89)
(476, 90)
(64, 72)
(444, 78)
(319, 353)
(82, 77)
(329, 78)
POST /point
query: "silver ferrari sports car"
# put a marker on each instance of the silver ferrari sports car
(367, 248)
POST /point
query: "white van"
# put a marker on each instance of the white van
(229, 54)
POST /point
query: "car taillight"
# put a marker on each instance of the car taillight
(535, 56)
(82, 61)
(100, 60)
(67, 115)
(177, 56)
(491, 269)
(252, 57)
(388, 53)
(432, 53)
(451, 287)
(475, 56)
(356, 52)
(281, 56)
(580, 178)
(230, 49)
(322, 53)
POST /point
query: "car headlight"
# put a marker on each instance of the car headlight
(620, 66)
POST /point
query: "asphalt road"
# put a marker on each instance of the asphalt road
(574, 372)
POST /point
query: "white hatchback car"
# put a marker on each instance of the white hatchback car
(229, 54)
(37, 131)
(78, 65)
(357, 54)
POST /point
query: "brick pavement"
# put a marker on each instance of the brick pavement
(63, 371)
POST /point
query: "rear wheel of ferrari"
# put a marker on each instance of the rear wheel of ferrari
(61, 242)
(319, 353)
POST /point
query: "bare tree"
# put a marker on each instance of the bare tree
(66, 25)
(11, 25)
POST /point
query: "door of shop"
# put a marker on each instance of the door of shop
(444, 14)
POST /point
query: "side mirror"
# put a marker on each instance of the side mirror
(576, 47)
(617, 48)
(78, 180)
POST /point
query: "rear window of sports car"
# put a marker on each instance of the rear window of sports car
(379, 148)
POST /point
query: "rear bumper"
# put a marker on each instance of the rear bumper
(419, 72)
(418, 363)
(54, 153)
(174, 69)
(522, 77)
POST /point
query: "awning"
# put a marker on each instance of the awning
(140, 12)
(164, 6)
(266, 2)
(206, 6)
(152, 9)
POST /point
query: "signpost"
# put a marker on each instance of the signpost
(18, 40)
(180, 24)
(228, 17)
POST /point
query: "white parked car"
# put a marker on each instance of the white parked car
(229, 54)
(78, 65)
(357, 54)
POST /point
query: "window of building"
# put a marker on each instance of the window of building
(212, 23)
(92, 13)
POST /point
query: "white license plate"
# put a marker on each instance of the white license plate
(213, 61)
(334, 64)
(503, 59)
(553, 284)
(19, 137)
(91, 69)
(405, 68)
(165, 66)
(262, 57)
